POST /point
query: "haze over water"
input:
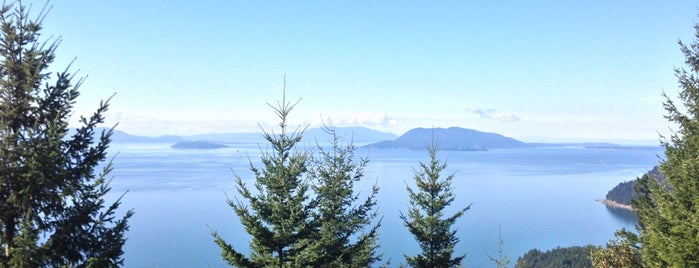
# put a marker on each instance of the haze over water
(542, 198)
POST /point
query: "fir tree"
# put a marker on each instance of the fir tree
(501, 261)
(277, 215)
(669, 216)
(52, 210)
(345, 237)
(426, 220)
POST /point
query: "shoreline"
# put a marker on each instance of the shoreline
(614, 204)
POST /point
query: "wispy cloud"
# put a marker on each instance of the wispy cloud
(369, 119)
(493, 114)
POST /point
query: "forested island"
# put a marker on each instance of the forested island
(621, 195)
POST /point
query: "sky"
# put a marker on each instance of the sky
(533, 70)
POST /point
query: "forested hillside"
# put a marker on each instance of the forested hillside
(574, 257)
(624, 192)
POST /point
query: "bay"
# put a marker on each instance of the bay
(540, 198)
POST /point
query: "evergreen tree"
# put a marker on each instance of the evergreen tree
(501, 261)
(345, 237)
(278, 214)
(52, 210)
(426, 220)
(669, 216)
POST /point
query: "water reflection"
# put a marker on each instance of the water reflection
(624, 215)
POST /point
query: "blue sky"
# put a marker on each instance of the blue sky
(532, 70)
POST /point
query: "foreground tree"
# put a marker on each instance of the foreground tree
(426, 220)
(624, 251)
(278, 214)
(669, 216)
(346, 236)
(502, 260)
(52, 208)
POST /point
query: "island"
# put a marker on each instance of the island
(621, 195)
(198, 145)
(450, 139)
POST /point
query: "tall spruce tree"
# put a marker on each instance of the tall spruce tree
(52, 210)
(669, 216)
(278, 214)
(346, 237)
(426, 220)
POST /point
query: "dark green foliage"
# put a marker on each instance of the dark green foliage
(426, 220)
(624, 251)
(668, 218)
(291, 228)
(278, 213)
(345, 237)
(573, 257)
(52, 210)
(624, 192)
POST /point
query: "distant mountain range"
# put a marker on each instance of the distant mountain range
(120, 136)
(450, 139)
(359, 135)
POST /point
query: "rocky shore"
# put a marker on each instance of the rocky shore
(614, 204)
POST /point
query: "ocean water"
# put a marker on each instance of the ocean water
(539, 197)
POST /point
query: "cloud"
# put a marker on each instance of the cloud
(493, 114)
(369, 119)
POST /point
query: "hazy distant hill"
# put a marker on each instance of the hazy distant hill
(229, 137)
(119, 136)
(451, 139)
(311, 135)
(359, 135)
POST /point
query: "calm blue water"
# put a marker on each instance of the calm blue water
(542, 198)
